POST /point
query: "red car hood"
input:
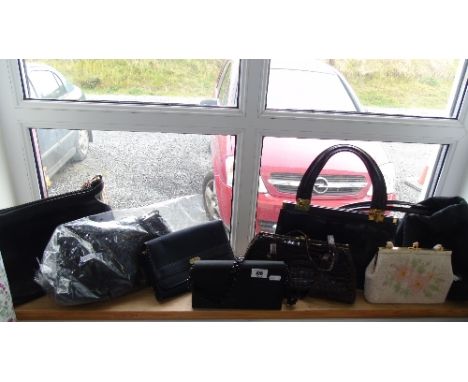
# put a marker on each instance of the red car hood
(294, 155)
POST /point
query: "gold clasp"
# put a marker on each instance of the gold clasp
(193, 260)
(376, 215)
(303, 204)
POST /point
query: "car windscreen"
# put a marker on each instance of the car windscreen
(307, 90)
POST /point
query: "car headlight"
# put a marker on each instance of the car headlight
(229, 170)
(388, 171)
(261, 186)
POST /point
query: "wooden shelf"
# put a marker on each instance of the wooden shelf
(142, 305)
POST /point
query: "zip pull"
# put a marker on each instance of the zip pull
(331, 242)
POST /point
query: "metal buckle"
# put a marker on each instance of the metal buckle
(376, 215)
(303, 204)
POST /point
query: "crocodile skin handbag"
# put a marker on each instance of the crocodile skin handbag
(317, 268)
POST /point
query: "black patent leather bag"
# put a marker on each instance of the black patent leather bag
(26, 229)
(315, 268)
(364, 231)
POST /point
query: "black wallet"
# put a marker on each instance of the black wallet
(236, 284)
(167, 259)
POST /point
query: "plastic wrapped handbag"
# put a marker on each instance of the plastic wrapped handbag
(409, 275)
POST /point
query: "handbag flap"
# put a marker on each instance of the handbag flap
(188, 243)
(171, 256)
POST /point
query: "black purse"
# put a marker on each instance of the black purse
(363, 231)
(167, 259)
(316, 268)
(238, 284)
(26, 229)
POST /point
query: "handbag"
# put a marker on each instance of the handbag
(440, 220)
(168, 258)
(363, 231)
(97, 258)
(26, 229)
(409, 275)
(235, 284)
(7, 312)
(316, 268)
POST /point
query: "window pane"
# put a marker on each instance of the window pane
(407, 169)
(401, 87)
(188, 82)
(174, 171)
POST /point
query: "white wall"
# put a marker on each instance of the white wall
(7, 198)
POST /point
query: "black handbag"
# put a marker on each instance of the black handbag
(26, 229)
(440, 220)
(363, 231)
(238, 284)
(316, 268)
(168, 258)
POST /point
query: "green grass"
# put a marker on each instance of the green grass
(400, 83)
(379, 83)
(187, 78)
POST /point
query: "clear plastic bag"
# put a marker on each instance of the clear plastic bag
(98, 257)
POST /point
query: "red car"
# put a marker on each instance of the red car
(344, 179)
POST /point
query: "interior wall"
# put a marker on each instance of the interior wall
(7, 197)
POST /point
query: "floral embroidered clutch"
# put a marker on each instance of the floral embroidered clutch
(6, 305)
(409, 275)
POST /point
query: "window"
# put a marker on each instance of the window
(185, 82)
(173, 171)
(399, 87)
(239, 127)
(407, 169)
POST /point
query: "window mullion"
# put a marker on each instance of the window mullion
(248, 154)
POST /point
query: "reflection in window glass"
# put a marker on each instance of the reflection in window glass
(190, 82)
(407, 169)
(407, 87)
(174, 171)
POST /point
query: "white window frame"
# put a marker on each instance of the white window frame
(250, 122)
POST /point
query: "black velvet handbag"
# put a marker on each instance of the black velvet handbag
(168, 259)
(440, 220)
(235, 284)
(363, 231)
(26, 229)
(316, 268)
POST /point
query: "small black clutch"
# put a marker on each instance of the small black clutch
(167, 259)
(238, 285)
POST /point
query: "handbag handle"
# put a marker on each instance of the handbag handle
(379, 195)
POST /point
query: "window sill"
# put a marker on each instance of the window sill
(142, 305)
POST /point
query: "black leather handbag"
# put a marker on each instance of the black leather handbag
(26, 229)
(238, 284)
(168, 258)
(363, 231)
(316, 268)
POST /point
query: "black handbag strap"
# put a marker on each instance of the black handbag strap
(379, 195)
(392, 205)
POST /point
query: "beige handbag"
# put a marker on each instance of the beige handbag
(7, 312)
(409, 275)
